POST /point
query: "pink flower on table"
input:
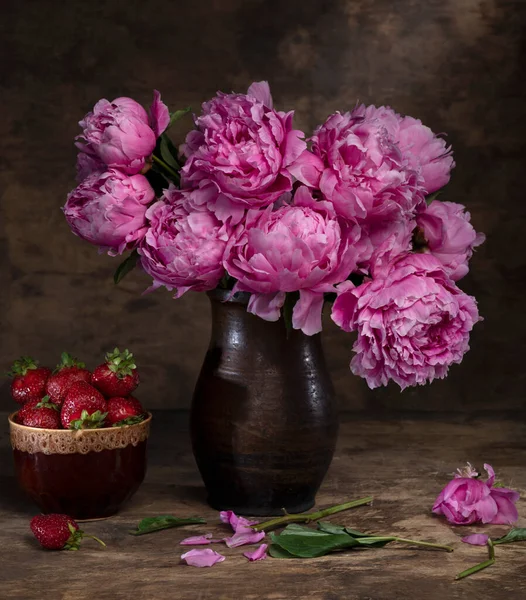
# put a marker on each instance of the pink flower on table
(421, 149)
(449, 236)
(259, 553)
(244, 147)
(467, 500)
(159, 114)
(183, 248)
(230, 517)
(243, 532)
(202, 558)
(476, 539)
(412, 322)
(298, 247)
(197, 540)
(357, 165)
(119, 134)
(109, 210)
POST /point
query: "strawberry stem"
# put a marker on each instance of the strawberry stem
(93, 537)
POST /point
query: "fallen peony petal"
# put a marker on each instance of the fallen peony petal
(476, 539)
(258, 554)
(243, 538)
(202, 558)
(197, 540)
(230, 517)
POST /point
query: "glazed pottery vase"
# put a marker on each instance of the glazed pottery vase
(263, 420)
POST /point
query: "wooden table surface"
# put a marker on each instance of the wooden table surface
(402, 461)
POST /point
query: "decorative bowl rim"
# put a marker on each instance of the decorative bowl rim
(75, 432)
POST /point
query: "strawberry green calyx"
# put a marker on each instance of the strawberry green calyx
(121, 363)
(22, 366)
(46, 403)
(87, 421)
(76, 537)
(69, 361)
(130, 421)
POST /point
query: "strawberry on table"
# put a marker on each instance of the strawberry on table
(124, 411)
(29, 380)
(58, 532)
(67, 372)
(42, 414)
(83, 408)
(118, 376)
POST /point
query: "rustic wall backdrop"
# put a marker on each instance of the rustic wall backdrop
(456, 64)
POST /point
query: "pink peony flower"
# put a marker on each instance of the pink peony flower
(449, 236)
(466, 500)
(119, 134)
(183, 247)
(421, 149)
(299, 247)
(476, 539)
(358, 167)
(109, 210)
(412, 322)
(202, 558)
(159, 115)
(244, 147)
(259, 554)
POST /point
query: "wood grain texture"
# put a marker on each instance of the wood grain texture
(403, 461)
(456, 64)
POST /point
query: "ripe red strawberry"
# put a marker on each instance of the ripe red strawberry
(28, 406)
(29, 380)
(66, 373)
(43, 414)
(124, 411)
(118, 376)
(83, 408)
(58, 532)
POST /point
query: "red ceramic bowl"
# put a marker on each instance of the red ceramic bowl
(87, 474)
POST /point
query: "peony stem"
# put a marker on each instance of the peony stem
(482, 565)
(404, 541)
(309, 517)
(166, 167)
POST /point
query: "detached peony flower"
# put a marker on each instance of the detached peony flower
(299, 247)
(449, 236)
(109, 210)
(244, 147)
(412, 322)
(119, 134)
(184, 247)
(466, 500)
(421, 149)
(358, 167)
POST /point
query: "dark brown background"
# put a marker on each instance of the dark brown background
(456, 64)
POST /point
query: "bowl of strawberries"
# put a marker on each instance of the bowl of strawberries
(79, 438)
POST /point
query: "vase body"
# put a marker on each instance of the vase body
(263, 420)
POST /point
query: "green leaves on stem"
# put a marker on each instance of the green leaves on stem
(152, 524)
(127, 265)
(296, 541)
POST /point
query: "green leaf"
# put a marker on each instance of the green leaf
(127, 265)
(130, 421)
(517, 534)
(357, 534)
(375, 542)
(166, 152)
(328, 527)
(179, 114)
(498, 484)
(151, 524)
(276, 552)
(303, 542)
(432, 197)
(290, 301)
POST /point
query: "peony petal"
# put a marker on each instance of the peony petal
(491, 475)
(258, 554)
(197, 540)
(202, 558)
(159, 114)
(260, 90)
(306, 314)
(476, 539)
(243, 538)
(506, 510)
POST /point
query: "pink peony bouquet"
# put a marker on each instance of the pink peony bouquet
(348, 218)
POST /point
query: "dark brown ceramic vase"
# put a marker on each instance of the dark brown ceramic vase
(263, 420)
